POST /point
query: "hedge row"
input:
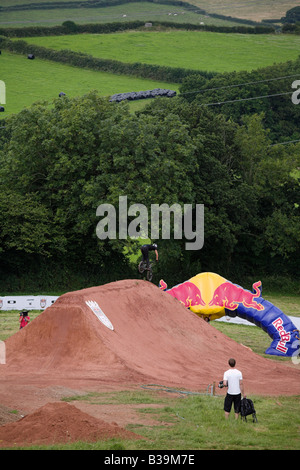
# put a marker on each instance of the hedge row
(78, 59)
(69, 27)
(218, 29)
(291, 28)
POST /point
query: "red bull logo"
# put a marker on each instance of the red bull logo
(285, 337)
(226, 295)
(230, 296)
(210, 295)
(187, 293)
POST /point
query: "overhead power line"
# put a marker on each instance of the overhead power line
(240, 84)
(284, 143)
(247, 99)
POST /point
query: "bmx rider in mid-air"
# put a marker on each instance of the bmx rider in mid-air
(145, 252)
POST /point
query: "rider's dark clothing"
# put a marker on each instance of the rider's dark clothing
(145, 252)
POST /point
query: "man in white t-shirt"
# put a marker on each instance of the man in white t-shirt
(233, 379)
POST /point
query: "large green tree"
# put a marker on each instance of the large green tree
(65, 160)
(292, 15)
(60, 161)
(266, 91)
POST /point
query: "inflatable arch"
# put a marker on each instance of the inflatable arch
(212, 296)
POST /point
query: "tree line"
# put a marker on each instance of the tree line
(266, 91)
(70, 27)
(58, 163)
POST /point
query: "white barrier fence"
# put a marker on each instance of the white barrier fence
(20, 302)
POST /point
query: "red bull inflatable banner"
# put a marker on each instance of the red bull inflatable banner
(211, 296)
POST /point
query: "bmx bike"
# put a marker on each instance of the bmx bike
(143, 267)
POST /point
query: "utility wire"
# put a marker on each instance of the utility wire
(284, 143)
(240, 99)
(247, 99)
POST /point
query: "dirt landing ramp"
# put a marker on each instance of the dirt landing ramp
(154, 340)
(59, 423)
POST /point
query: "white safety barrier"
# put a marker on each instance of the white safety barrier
(20, 302)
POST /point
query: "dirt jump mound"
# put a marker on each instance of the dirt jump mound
(131, 332)
(59, 423)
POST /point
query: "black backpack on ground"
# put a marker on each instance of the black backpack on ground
(247, 408)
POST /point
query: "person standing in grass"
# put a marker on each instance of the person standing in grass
(24, 318)
(233, 379)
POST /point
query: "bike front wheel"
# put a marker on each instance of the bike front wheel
(141, 267)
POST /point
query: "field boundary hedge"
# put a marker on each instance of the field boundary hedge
(79, 59)
(69, 27)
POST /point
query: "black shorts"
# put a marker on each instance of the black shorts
(229, 399)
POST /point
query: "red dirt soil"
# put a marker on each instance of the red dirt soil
(155, 340)
(59, 423)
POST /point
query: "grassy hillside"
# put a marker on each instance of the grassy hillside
(28, 81)
(243, 9)
(246, 9)
(8, 3)
(249, 9)
(188, 49)
(143, 11)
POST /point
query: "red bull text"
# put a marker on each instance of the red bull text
(285, 337)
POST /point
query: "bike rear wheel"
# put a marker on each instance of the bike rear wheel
(149, 274)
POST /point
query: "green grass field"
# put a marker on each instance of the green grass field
(208, 51)
(143, 11)
(28, 81)
(247, 9)
(195, 422)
